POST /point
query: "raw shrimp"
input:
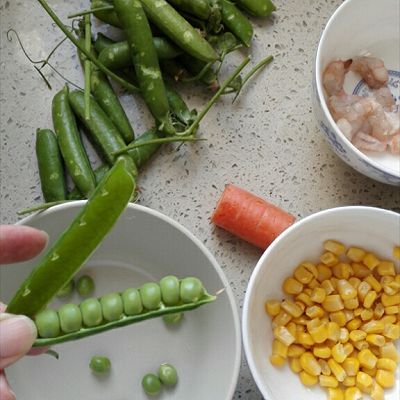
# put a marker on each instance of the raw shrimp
(367, 142)
(372, 70)
(384, 97)
(333, 77)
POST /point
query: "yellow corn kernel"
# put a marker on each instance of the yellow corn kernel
(369, 299)
(337, 370)
(272, 307)
(375, 350)
(392, 331)
(304, 339)
(318, 295)
(308, 379)
(361, 345)
(396, 252)
(355, 254)
(333, 331)
(335, 394)
(373, 326)
(314, 312)
(354, 281)
(300, 323)
(375, 339)
(392, 310)
(370, 260)
(295, 350)
(283, 335)
(366, 314)
(388, 301)
(367, 359)
(375, 285)
(353, 393)
(319, 333)
(276, 361)
(292, 328)
(387, 319)
(349, 381)
(386, 268)
(363, 380)
(351, 304)
(328, 381)
(390, 288)
(342, 271)
(344, 335)
(303, 275)
(354, 324)
(333, 303)
(377, 392)
(349, 315)
(369, 371)
(279, 349)
(301, 305)
(324, 272)
(322, 352)
(388, 350)
(334, 247)
(357, 335)
(325, 370)
(339, 317)
(329, 259)
(304, 298)
(292, 286)
(313, 284)
(379, 310)
(363, 288)
(338, 353)
(281, 319)
(346, 290)
(310, 364)
(360, 271)
(311, 268)
(294, 364)
(387, 364)
(348, 348)
(351, 365)
(328, 286)
(291, 308)
(385, 378)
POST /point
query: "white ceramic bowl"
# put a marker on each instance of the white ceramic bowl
(355, 27)
(144, 245)
(371, 228)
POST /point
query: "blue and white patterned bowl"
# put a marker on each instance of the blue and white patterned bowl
(356, 27)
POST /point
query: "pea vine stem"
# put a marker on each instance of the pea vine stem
(93, 10)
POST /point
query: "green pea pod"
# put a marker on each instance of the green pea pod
(174, 26)
(76, 243)
(145, 61)
(178, 106)
(195, 67)
(102, 42)
(198, 8)
(117, 56)
(108, 16)
(141, 155)
(51, 169)
(259, 8)
(69, 140)
(236, 22)
(102, 130)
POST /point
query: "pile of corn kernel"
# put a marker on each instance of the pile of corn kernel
(339, 328)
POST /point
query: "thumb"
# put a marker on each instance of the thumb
(17, 334)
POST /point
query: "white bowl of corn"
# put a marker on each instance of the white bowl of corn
(321, 316)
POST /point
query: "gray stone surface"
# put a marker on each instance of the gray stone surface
(266, 142)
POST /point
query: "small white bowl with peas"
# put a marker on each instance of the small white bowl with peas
(321, 312)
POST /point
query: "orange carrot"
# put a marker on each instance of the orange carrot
(250, 217)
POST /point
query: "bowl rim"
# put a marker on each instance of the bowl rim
(249, 290)
(321, 96)
(199, 244)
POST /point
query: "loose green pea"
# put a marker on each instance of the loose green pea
(70, 318)
(169, 286)
(132, 302)
(67, 290)
(151, 384)
(167, 374)
(92, 314)
(100, 364)
(172, 318)
(151, 295)
(112, 306)
(85, 286)
(191, 290)
(47, 324)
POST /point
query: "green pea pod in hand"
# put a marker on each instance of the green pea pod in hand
(145, 61)
(76, 244)
(69, 140)
(258, 8)
(102, 130)
(50, 163)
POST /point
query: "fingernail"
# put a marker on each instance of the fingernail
(17, 335)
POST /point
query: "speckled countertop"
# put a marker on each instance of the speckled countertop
(267, 142)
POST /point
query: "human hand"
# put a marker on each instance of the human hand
(17, 333)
